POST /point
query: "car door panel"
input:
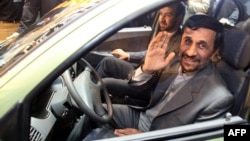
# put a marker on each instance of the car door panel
(133, 39)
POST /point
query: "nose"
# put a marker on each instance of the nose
(191, 50)
(161, 18)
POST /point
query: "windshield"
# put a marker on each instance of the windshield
(13, 51)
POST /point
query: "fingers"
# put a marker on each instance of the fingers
(115, 51)
(118, 52)
(169, 58)
(126, 131)
(160, 41)
(152, 44)
(119, 132)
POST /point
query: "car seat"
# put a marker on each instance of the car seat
(233, 65)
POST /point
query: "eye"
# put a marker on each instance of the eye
(202, 45)
(188, 41)
(168, 15)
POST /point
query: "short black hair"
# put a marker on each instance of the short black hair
(204, 21)
(180, 8)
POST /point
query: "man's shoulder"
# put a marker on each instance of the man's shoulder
(215, 82)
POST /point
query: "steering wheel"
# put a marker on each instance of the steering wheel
(86, 92)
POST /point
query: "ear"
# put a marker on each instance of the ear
(216, 57)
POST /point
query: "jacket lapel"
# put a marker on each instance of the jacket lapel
(160, 89)
(182, 97)
(185, 94)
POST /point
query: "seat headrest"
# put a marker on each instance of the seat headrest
(236, 48)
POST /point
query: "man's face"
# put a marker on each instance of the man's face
(168, 19)
(197, 46)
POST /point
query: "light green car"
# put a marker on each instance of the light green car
(39, 101)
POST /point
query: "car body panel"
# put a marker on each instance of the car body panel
(179, 133)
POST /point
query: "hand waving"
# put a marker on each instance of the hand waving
(156, 58)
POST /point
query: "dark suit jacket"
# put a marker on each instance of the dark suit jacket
(203, 97)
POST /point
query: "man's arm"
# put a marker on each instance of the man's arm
(139, 78)
(137, 56)
(217, 108)
(129, 56)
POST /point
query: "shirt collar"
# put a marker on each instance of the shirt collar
(186, 75)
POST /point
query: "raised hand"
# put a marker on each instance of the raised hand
(156, 58)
